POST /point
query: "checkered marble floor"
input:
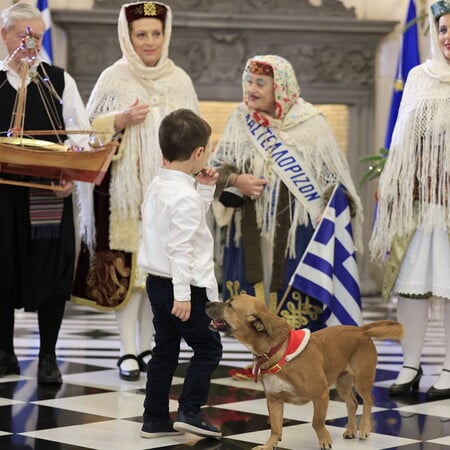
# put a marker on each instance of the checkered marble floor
(94, 409)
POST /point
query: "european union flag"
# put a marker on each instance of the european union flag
(47, 50)
(408, 58)
(327, 270)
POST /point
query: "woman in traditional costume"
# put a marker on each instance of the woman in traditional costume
(413, 218)
(37, 233)
(268, 225)
(130, 97)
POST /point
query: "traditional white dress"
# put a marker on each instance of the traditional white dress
(413, 218)
(165, 87)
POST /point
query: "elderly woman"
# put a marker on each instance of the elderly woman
(413, 218)
(37, 234)
(268, 221)
(130, 99)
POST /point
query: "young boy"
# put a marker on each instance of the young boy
(177, 254)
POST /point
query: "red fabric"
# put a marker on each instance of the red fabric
(296, 338)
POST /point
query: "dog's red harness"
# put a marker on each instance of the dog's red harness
(298, 340)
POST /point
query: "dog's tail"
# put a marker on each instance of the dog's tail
(384, 329)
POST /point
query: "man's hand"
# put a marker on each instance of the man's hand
(66, 191)
(182, 310)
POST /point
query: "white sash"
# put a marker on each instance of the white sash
(287, 165)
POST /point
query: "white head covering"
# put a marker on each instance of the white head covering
(130, 55)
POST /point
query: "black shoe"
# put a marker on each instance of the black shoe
(154, 429)
(141, 361)
(196, 424)
(128, 375)
(48, 371)
(407, 388)
(437, 394)
(8, 364)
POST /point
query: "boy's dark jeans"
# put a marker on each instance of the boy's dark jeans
(168, 333)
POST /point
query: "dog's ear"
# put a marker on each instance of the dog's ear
(257, 324)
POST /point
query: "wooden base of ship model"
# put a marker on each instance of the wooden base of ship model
(52, 162)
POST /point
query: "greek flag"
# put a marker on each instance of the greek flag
(46, 50)
(327, 270)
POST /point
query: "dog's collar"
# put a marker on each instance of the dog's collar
(298, 340)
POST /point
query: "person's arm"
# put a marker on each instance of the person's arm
(184, 221)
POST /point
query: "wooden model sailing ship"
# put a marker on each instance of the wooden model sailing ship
(40, 163)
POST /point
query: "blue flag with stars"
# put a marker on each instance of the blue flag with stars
(408, 58)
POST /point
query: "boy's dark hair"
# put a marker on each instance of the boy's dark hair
(181, 132)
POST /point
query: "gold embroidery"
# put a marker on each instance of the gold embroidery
(149, 9)
(260, 291)
(108, 278)
(234, 288)
(299, 312)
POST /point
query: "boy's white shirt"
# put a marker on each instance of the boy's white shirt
(177, 242)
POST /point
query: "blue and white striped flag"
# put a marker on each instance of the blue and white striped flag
(47, 50)
(327, 270)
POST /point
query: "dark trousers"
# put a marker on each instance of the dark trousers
(169, 330)
(50, 316)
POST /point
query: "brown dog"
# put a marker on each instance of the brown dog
(340, 355)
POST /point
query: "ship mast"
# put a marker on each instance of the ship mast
(18, 114)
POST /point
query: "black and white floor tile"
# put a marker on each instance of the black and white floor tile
(94, 409)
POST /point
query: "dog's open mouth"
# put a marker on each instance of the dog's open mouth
(219, 325)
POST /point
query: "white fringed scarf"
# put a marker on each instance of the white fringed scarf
(301, 126)
(165, 87)
(420, 149)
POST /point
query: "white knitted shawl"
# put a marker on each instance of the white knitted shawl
(419, 155)
(165, 87)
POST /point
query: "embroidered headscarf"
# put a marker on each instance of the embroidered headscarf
(414, 184)
(286, 93)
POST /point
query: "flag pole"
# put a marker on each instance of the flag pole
(283, 299)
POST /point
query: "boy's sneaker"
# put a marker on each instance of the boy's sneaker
(188, 422)
(158, 429)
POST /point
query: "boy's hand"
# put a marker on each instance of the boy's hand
(182, 310)
(207, 175)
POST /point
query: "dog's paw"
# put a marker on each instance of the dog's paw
(325, 445)
(364, 435)
(349, 434)
(364, 430)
